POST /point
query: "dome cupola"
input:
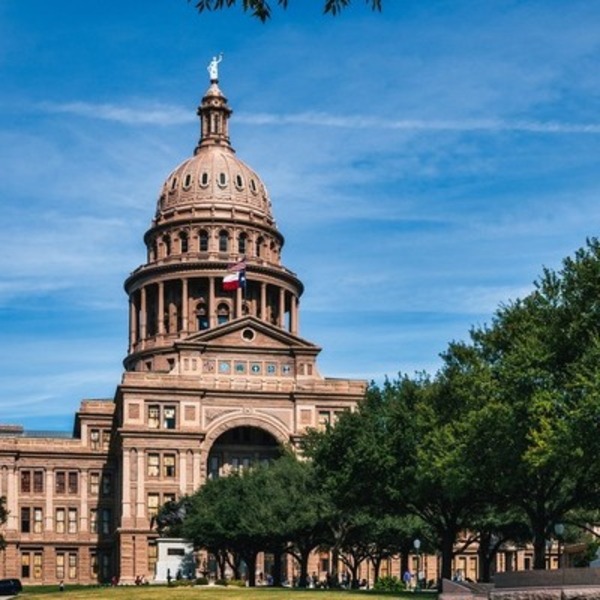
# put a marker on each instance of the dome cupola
(213, 212)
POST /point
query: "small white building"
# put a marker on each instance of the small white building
(176, 560)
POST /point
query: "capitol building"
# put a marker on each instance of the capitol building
(216, 378)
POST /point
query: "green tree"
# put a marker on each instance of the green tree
(539, 429)
(262, 9)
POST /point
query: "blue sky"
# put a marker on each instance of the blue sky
(424, 164)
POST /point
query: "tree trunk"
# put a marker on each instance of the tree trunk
(335, 561)
(485, 557)
(303, 563)
(376, 567)
(539, 545)
(250, 560)
(277, 568)
(448, 539)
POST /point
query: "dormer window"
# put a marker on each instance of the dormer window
(187, 182)
(239, 182)
(204, 179)
(222, 179)
(253, 186)
(173, 183)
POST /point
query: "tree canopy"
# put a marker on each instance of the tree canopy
(262, 9)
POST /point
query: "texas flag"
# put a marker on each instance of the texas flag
(236, 277)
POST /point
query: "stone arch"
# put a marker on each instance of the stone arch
(263, 422)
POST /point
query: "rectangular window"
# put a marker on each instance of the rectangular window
(37, 565)
(154, 416)
(153, 465)
(152, 557)
(105, 566)
(105, 439)
(93, 520)
(25, 482)
(168, 497)
(324, 418)
(72, 565)
(60, 484)
(25, 565)
(38, 482)
(106, 518)
(38, 516)
(169, 417)
(73, 482)
(60, 566)
(72, 520)
(106, 484)
(169, 465)
(59, 525)
(93, 565)
(95, 439)
(25, 520)
(94, 483)
(153, 504)
(214, 467)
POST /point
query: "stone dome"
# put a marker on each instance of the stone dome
(213, 178)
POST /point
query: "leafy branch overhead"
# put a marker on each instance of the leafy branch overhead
(261, 9)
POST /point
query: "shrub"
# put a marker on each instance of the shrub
(202, 581)
(237, 582)
(221, 582)
(389, 584)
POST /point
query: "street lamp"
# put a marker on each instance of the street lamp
(417, 545)
(559, 530)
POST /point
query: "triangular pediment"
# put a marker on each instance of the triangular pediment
(249, 334)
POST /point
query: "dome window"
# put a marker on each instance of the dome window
(204, 179)
(223, 241)
(167, 245)
(173, 183)
(259, 243)
(183, 240)
(187, 182)
(203, 241)
(242, 243)
(253, 186)
(222, 180)
(239, 182)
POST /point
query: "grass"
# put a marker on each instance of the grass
(156, 592)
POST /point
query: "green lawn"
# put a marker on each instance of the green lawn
(153, 592)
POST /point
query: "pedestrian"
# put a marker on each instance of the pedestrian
(407, 579)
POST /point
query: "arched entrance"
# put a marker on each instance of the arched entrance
(239, 448)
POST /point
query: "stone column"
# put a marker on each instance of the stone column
(140, 512)
(126, 485)
(83, 494)
(281, 319)
(11, 500)
(161, 308)
(238, 302)
(132, 322)
(182, 473)
(294, 315)
(49, 508)
(212, 309)
(143, 314)
(184, 306)
(263, 301)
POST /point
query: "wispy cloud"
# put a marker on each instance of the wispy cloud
(153, 114)
(167, 115)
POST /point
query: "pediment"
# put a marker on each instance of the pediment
(248, 334)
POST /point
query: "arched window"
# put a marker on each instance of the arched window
(183, 240)
(222, 313)
(259, 244)
(222, 180)
(239, 182)
(203, 240)
(242, 243)
(167, 244)
(187, 182)
(201, 316)
(204, 179)
(223, 241)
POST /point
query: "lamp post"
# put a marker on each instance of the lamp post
(417, 545)
(559, 530)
